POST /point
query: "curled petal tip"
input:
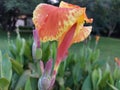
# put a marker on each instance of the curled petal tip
(89, 20)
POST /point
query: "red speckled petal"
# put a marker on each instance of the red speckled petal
(65, 44)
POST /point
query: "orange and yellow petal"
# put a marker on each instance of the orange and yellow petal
(67, 5)
(52, 22)
(82, 34)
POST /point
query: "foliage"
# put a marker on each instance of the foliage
(107, 15)
(11, 9)
(82, 71)
(86, 72)
(25, 70)
(5, 72)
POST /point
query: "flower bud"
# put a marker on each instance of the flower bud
(44, 83)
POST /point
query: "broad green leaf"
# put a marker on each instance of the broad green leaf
(87, 84)
(4, 83)
(22, 50)
(77, 73)
(34, 83)
(38, 53)
(111, 80)
(0, 63)
(27, 51)
(38, 69)
(62, 69)
(105, 76)
(14, 80)
(28, 85)
(53, 49)
(100, 76)
(12, 48)
(116, 73)
(46, 52)
(22, 80)
(17, 66)
(5, 72)
(95, 77)
(18, 43)
(22, 47)
(117, 84)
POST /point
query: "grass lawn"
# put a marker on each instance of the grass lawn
(109, 47)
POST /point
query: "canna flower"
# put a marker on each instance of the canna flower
(97, 37)
(64, 24)
(117, 60)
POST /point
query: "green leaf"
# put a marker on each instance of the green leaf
(77, 73)
(95, 77)
(27, 51)
(111, 80)
(34, 83)
(17, 66)
(38, 53)
(12, 49)
(35, 69)
(21, 53)
(5, 67)
(4, 83)
(117, 84)
(60, 81)
(100, 76)
(87, 84)
(116, 73)
(22, 80)
(0, 63)
(38, 69)
(15, 78)
(18, 43)
(62, 69)
(113, 87)
(105, 76)
(20, 48)
(28, 85)
(46, 52)
(53, 50)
